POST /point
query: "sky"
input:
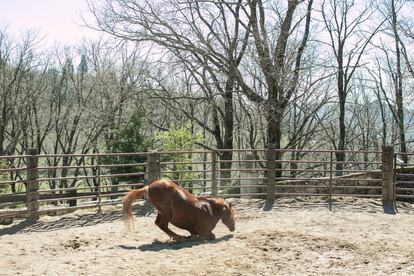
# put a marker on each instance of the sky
(57, 21)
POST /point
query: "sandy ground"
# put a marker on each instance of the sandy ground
(297, 236)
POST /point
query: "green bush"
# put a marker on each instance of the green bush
(179, 138)
(126, 138)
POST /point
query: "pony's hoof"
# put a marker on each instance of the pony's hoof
(179, 238)
(209, 237)
(192, 237)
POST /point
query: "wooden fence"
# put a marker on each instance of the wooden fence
(36, 184)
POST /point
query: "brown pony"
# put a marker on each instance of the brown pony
(198, 215)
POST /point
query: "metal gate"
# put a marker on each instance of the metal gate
(404, 176)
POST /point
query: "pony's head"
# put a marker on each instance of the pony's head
(228, 216)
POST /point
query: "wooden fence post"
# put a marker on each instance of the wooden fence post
(388, 187)
(214, 190)
(248, 176)
(153, 168)
(98, 171)
(32, 187)
(270, 175)
(330, 180)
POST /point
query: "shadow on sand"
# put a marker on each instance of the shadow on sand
(18, 227)
(158, 245)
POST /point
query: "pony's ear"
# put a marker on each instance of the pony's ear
(230, 205)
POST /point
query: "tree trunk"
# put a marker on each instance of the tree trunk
(274, 132)
(1, 140)
(398, 86)
(228, 125)
(340, 154)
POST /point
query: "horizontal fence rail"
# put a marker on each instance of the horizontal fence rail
(35, 184)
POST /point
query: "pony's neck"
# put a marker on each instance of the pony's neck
(217, 207)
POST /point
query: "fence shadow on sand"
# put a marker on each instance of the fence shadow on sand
(74, 220)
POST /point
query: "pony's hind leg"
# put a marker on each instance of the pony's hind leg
(162, 222)
(158, 219)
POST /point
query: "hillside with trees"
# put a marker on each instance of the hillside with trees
(241, 74)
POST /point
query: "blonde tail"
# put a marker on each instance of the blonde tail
(127, 204)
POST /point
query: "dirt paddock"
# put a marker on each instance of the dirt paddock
(297, 236)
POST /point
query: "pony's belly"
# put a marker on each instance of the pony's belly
(197, 226)
(183, 225)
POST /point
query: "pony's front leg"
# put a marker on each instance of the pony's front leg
(162, 222)
(209, 237)
(193, 236)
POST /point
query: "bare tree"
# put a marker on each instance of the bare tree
(392, 68)
(204, 38)
(345, 22)
(398, 81)
(16, 65)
